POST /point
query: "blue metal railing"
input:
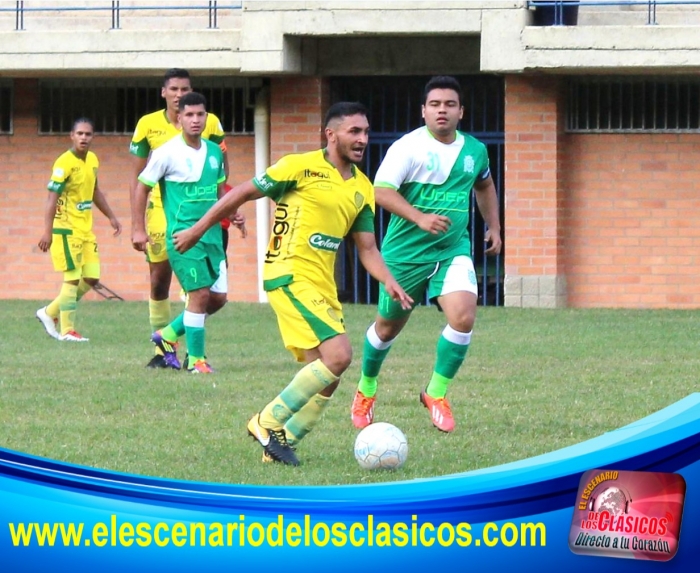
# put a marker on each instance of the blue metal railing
(561, 8)
(213, 7)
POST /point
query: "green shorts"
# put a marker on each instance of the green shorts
(203, 266)
(436, 278)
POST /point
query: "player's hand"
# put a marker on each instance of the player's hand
(238, 221)
(184, 240)
(434, 224)
(117, 226)
(495, 242)
(139, 240)
(45, 242)
(394, 290)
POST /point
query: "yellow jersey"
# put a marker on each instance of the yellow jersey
(74, 180)
(154, 129)
(315, 209)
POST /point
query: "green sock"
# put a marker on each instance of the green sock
(374, 352)
(451, 351)
(308, 382)
(305, 419)
(175, 329)
(83, 289)
(194, 334)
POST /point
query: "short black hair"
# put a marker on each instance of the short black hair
(175, 73)
(442, 83)
(345, 109)
(83, 120)
(191, 98)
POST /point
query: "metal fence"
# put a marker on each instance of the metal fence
(212, 8)
(563, 12)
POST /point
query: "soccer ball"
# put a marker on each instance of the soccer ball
(381, 446)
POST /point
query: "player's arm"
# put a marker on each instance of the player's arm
(372, 260)
(395, 203)
(49, 214)
(224, 207)
(487, 201)
(238, 218)
(101, 203)
(138, 164)
(224, 153)
(139, 236)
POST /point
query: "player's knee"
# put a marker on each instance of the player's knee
(387, 330)
(463, 322)
(217, 301)
(342, 361)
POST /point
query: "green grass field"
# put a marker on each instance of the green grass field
(534, 381)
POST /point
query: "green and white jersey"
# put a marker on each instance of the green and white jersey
(189, 180)
(433, 177)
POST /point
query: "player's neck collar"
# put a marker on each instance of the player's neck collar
(353, 168)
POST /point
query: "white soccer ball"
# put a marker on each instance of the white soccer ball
(381, 446)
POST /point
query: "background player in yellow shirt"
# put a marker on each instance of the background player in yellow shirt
(320, 198)
(152, 131)
(73, 189)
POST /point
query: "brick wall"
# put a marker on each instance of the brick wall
(297, 108)
(28, 157)
(633, 220)
(596, 220)
(534, 157)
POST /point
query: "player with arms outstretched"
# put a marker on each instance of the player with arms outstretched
(321, 197)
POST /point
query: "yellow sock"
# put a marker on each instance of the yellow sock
(83, 289)
(305, 419)
(53, 309)
(67, 303)
(158, 313)
(308, 382)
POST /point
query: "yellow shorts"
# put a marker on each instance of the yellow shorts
(156, 227)
(305, 317)
(69, 253)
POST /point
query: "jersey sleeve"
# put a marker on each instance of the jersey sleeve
(214, 130)
(59, 177)
(395, 166)
(364, 221)
(277, 179)
(483, 169)
(139, 142)
(155, 168)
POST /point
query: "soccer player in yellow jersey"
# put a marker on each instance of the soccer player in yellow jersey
(152, 131)
(320, 198)
(73, 190)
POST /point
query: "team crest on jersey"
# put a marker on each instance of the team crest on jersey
(469, 164)
(213, 163)
(188, 161)
(359, 199)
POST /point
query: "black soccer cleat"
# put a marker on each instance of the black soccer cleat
(274, 442)
(158, 361)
